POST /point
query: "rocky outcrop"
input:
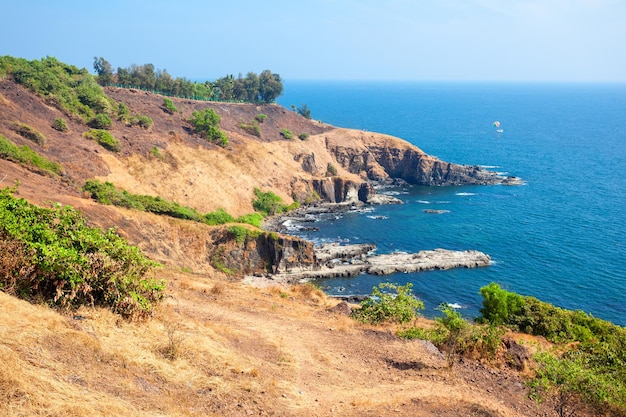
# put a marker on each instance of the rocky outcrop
(261, 253)
(334, 260)
(382, 158)
(339, 190)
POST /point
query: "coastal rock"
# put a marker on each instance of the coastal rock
(426, 260)
(379, 157)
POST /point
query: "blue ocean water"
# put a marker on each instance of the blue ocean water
(560, 237)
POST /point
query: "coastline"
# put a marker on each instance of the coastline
(334, 260)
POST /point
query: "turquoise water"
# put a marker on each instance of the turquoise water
(559, 237)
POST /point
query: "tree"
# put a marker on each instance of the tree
(104, 70)
(251, 85)
(270, 86)
(304, 111)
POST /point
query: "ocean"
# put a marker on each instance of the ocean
(560, 237)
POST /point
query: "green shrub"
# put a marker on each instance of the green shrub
(253, 219)
(101, 121)
(303, 136)
(50, 254)
(25, 155)
(252, 129)
(304, 111)
(268, 203)
(240, 233)
(499, 304)
(206, 123)
(168, 106)
(286, 133)
(123, 113)
(104, 138)
(331, 170)
(29, 133)
(60, 125)
(220, 216)
(260, 117)
(141, 121)
(397, 304)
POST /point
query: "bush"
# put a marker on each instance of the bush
(25, 155)
(220, 216)
(123, 113)
(286, 134)
(398, 305)
(50, 254)
(29, 133)
(101, 121)
(168, 106)
(206, 123)
(253, 219)
(252, 129)
(303, 136)
(141, 121)
(60, 125)
(104, 138)
(304, 111)
(331, 170)
(260, 117)
(268, 203)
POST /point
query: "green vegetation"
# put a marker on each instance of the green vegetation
(286, 133)
(253, 88)
(141, 121)
(590, 358)
(304, 111)
(25, 155)
(29, 133)
(303, 136)
(241, 233)
(60, 125)
(206, 123)
(331, 170)
(104, 138)
(389, 303)
(251, 128)
(260, 117)
(107, 193)
(100, 121)
(269, 204)
(66, 87)
(168, 106)
(50, 255)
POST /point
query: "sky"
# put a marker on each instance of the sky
(395, 40)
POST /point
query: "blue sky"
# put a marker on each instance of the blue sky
(443, 40)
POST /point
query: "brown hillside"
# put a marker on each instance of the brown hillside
(217, 346)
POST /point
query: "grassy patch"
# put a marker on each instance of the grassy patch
(25, 155)
(29, 133)
(104, 138)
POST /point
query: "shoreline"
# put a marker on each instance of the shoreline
(335, 260)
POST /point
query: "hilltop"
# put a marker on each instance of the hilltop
(215, 345)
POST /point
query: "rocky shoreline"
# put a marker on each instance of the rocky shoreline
(337, 260)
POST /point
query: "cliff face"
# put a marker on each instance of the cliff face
(382, 158)
(261, 253)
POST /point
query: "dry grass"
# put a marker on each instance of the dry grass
(219, 348)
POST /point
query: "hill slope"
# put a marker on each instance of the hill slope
(217, 346)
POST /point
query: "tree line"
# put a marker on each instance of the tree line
(253, 88)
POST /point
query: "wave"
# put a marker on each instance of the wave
(423, 202)
(489, 166)
(465, 194)
(378, 217)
